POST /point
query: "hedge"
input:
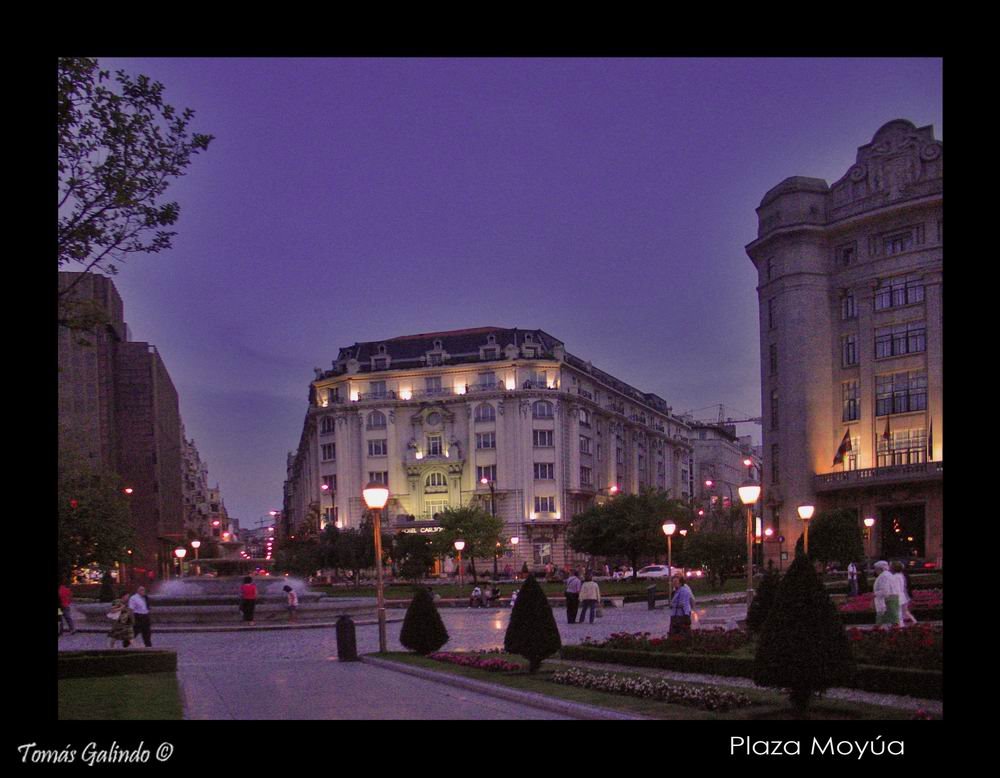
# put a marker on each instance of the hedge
(91, 664)
(868, 617)
(872, 678)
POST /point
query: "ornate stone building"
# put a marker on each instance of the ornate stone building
(432, 415)
(850, 291)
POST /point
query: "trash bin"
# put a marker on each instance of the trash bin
(651, 596)
(347, 644)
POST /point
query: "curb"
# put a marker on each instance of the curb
(540, 701)
(165, 630)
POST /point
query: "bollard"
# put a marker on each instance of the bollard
(347, 644)
(651, 596)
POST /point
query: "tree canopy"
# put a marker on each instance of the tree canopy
(629, 525)
(480, 530)
(119, 150)
(834, 536)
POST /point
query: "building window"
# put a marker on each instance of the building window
(435, 482)
(770, 268)
(333, 395)
(380, 363)
(773, 356)
(584, 417)
(434, 448)
(545, 471)
(852, 408)
(775, 473)
(545, 505)
(489, 472)
(901, 290)
(541, 410)
(327, 425)
(851, 460)
(433, 385)
(542, 438)
(328, 451)
(584, 444)
(774, 409)
(376, 420)
(376, 389)
(848, 350)
(903, 447)
(586, 476)
(898, 243)
(910, 338)
(619, 456)
(378, 448)
(848, 307)
(847, 254)
(330, 481)
(900, 393)
(487, 380)
(378, 477)
(486, 440)
(541, 553)
(772, 313)
(485, 412)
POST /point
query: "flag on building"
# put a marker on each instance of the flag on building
(930, 442)
(887, 435)
(845, 446)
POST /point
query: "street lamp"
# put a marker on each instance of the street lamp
(749, 494)
(459, 545)
(669, 529)
(376, 496)
(180, 554)
(196, 544)
(869, 523)
(806, 513)
(493, 510)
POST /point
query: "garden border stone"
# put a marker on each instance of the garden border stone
(96, 662)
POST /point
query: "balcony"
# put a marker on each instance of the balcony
(925, 472)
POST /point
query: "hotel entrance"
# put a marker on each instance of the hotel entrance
(903, 531)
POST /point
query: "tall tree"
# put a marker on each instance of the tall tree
(413, 554)
(119, 150)
(834, 536)
(718, 552)
(480, 530)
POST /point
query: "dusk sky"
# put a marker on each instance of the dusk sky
(605, 201)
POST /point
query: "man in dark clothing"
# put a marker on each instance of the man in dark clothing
(573, 586)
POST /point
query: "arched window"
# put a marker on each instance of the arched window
(376, 420)
(542, 410)
(485, 412)
(435, 482)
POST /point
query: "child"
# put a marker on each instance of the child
(123, 624)
(293, 601)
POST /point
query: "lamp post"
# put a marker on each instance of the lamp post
(514, 541)
(493, 511)
(459, 545)
(196, 544)
(806, 513)
(749, 494)
(869, 523)
(376, 496)
(669, 529)
(180, 554)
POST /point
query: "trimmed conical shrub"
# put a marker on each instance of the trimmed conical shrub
(802, 646)
(763, 599)
(423, 631)
(532, 632)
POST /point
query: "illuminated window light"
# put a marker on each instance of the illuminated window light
(406, 394)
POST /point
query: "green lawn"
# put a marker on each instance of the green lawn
(120, 698)
(768, 704)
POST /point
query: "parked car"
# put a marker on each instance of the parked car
(657, 571)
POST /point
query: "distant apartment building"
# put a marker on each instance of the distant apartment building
(434, 415)
(119, 410)
(718, 454)
(850, 280)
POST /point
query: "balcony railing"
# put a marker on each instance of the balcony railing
(876, 476)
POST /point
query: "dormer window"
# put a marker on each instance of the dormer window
(437, 345)
(380, 363)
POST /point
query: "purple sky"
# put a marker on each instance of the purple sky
(605, 201)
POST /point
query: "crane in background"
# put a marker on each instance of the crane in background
(723, 419)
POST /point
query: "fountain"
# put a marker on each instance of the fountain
(204, 601)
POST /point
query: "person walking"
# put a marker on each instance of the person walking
(852, 580)
(680, 607)
(65, 603)
(293, 601)
(139, 605)
(899, 573)
(248, 599)
(590, 598)
(573, 586)
(122, 623)
(887, 599)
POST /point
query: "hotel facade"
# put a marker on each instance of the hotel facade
(850, 280)
(433, 415)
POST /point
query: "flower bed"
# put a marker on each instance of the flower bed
(920, 600)
(920, 646)
(699, 641)
(707, 697)
(490, 664)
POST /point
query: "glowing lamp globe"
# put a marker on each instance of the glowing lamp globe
(376, 495)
